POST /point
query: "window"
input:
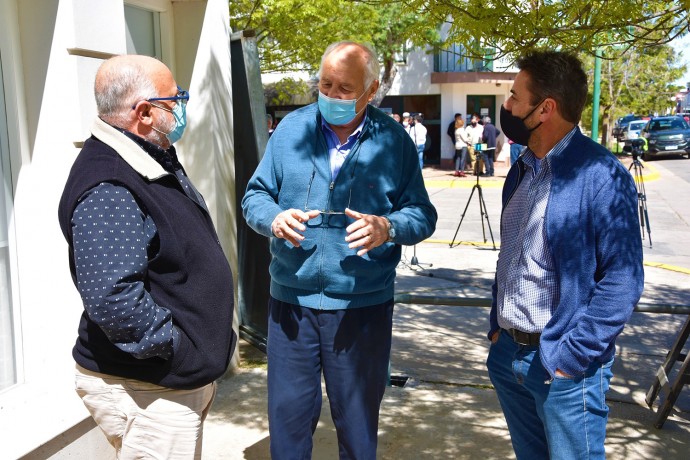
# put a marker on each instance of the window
(143, 31)
(8, 363)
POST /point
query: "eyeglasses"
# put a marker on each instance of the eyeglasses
(182, 97)
(329, 212)
(328, 217)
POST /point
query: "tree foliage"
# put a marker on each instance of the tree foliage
(638, 82)
(292, 34)
(512, 26)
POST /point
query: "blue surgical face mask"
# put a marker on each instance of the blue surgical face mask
(338, 112)
(180, 114)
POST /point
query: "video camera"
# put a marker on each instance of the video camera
(635, 147)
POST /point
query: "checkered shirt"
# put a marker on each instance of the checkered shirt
(527, 285)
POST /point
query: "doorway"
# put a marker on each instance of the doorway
(430, 107)
(483, 105)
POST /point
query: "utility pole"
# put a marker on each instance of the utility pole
(596, 94)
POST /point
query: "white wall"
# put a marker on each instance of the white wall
(50, 107)
(414, 78)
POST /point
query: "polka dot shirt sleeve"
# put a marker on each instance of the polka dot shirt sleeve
(111, 239)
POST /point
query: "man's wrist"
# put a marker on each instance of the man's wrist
(391, 230)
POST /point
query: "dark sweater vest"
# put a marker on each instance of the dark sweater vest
(188, 274)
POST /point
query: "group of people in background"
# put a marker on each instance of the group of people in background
(476, 145)
(416, 130)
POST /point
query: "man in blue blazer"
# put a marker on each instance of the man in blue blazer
(570, 268)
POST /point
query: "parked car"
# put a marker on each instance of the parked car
(622, 123)
(633, 130)
(666, 135)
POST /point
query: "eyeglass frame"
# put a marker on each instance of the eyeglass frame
(182, 96)
(349, 199)
(323, 211)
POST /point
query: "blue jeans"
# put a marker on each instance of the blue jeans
(461, 159)
(420, 152)
(488, 156)
(352, 348)
(554, 419)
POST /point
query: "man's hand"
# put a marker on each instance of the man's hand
(288, 225)
(367, 232)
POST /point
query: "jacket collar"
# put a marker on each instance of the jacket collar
(128, 150)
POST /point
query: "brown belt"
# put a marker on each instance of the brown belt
(524, 338)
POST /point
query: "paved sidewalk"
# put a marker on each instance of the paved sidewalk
(447, 408)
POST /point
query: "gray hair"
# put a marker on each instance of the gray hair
(487, 119)
(372, 68)
(120, 84)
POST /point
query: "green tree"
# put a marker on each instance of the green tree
(639, 82)
(292, 34)
(512, 26)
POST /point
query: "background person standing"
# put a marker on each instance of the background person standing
(461, 151)
(489, 135)
(417, 132)
(515, 150)
(474, 132)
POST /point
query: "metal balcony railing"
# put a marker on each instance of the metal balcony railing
(454, 60)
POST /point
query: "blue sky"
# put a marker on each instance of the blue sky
(683, 45)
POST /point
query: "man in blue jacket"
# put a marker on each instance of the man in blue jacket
(338, 191)
(570, 268)
(489, 136)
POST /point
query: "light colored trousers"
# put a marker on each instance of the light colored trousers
(146, 421)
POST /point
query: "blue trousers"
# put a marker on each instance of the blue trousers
(488, 156)
(420, 152)
(556, 419)
(352, 349)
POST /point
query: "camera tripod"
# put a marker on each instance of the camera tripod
(414, 262)
(484, 214)
(636, 168)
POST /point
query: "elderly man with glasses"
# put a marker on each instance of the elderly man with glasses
(338, 191)
(157, 290)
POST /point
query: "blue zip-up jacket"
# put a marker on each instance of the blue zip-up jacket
(592, 230)
(380, 176)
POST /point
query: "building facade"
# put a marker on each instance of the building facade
(49, 53)
(444, 83)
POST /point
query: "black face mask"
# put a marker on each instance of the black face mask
(514, 127)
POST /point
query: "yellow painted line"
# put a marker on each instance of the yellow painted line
(458, 183)
(672, 268)
(649, 173)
